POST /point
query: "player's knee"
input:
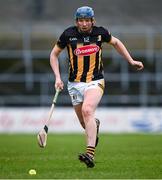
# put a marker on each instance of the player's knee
(87, 110)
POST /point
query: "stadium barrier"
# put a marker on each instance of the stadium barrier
(64, 120)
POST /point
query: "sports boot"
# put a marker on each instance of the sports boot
(87, 159)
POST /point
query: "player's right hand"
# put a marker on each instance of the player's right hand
(59, 84)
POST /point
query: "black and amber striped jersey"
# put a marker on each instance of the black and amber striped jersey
(85, 52)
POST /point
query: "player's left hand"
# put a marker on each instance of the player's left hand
(138, 65)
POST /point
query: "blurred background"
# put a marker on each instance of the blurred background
(29, 29)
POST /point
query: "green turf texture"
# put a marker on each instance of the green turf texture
(117, 156)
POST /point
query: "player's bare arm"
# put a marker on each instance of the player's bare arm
(55, 66)
(119, 46)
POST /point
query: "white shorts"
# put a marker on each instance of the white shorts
(76, 89)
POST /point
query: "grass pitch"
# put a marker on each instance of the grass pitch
(117, 156)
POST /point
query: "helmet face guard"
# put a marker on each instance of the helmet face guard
(84, 12)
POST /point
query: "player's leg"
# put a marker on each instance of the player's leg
(92, 98)
(77, 93)
(78, 111)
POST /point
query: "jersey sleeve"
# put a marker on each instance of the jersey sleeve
(106, 35)
(62, 41)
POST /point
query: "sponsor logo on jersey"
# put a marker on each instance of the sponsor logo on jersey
(86, 50)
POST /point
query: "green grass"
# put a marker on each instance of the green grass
(117, 156)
